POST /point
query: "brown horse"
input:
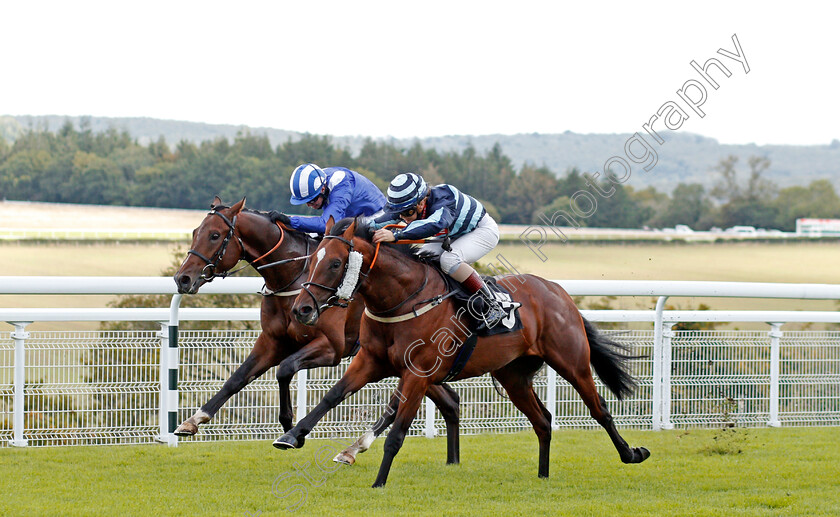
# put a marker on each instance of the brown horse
(230, 234)
(406, 334)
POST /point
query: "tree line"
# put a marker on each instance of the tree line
(78, 165)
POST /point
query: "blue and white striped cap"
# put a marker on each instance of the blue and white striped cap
(405, 191)
(306, 183)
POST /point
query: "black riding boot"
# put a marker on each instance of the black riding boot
(483, 305)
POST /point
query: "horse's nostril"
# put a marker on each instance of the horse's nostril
(184, 280)
(305, 310)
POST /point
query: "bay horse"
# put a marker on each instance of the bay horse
(410, 332)
(230, 234)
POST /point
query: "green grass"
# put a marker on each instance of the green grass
(776, 472)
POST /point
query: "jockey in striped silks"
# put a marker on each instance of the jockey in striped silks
(428, 211)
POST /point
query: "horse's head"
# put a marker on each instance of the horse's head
(334, 271)
(211, 253)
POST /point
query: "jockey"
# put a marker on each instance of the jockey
(338, 191)
(443, 208)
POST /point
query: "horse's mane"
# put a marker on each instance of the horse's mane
(265, 215)
(364, 231)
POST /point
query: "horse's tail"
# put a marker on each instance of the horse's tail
(609, 358)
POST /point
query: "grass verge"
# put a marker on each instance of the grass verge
(768, 472)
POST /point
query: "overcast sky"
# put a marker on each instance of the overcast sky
(428, 68)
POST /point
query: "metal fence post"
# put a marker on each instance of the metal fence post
(169, 362)
(302, 377)
(775, 338)
(19, 335)
(551, 398)
(657, 364)
(667, 335)
(168, 385)
(429, 430)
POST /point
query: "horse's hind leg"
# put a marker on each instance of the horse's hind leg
(584, 384)
(517, 383)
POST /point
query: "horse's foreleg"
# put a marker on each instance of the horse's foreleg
(261, 358)
(362, 370)
(449, 403)
(348, 455)
(412, 395)
(444, 397)
(317, 353)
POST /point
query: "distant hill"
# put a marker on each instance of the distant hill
(684, 157)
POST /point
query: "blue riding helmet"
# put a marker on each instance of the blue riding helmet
(306, 183)
(405, 191)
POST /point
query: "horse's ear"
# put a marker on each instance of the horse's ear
(216, 202)
(235, 209)
(368, 227)
(330, 224)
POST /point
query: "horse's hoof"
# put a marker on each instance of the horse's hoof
(345, 458)
(287, 441)
(186, 429)
(640, 454)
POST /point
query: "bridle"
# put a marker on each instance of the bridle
(339, 296)
(208, 273)
(334, 300)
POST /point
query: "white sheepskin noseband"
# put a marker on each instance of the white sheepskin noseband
(351, 276)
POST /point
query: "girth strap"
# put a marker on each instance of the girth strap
(461, 359)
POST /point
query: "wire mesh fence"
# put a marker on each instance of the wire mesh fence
(7, 387)
(104, 387)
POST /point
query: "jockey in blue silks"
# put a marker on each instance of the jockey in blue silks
(338, 191)
(429, 211)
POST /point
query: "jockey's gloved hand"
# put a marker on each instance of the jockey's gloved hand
(275, 216)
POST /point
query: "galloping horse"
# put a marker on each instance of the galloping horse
(230, 234)
(418, 341)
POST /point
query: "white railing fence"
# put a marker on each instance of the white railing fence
(120, 387)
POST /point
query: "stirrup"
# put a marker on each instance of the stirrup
(494, 315)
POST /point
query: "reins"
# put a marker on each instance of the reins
(335, 300)
(209, 271)
(279, 292)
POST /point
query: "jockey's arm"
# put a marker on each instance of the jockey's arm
(439, 220)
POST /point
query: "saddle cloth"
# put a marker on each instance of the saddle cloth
(511, 322)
